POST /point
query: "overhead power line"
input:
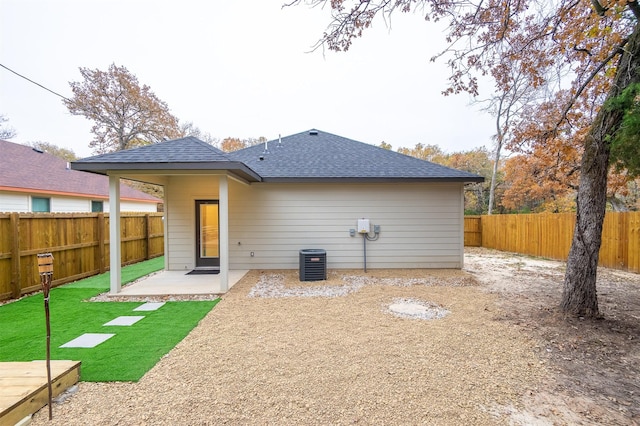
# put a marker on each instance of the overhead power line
(34, 82)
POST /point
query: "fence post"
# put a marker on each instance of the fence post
(148, 236)
(16, 289)
(101, 248)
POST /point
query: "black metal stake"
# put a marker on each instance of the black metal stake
(45, 266)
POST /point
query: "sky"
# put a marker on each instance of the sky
(241, 69)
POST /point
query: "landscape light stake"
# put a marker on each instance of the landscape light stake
(45, 268)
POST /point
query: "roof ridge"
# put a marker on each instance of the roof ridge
(201, 142)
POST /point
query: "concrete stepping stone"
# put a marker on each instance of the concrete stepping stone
(124, 321)
(150, 306)
(88, 340)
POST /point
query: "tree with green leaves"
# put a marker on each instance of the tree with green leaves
(125, 114)
(625, 143)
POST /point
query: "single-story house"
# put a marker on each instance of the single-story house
(258, 207)
(35, 181)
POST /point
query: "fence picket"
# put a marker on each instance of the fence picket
(15, 261)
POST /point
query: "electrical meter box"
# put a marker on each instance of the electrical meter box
(364, 227)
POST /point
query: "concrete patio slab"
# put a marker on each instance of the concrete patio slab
(88, 340)
(150, 306)
(124, 321)
(179, 283)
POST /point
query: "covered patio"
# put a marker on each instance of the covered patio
(195, 178)
(177, 283)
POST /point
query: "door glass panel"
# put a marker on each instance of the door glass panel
(209, 230)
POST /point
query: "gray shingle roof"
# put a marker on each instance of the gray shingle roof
(184, 150)
(179, 154)
(308, 156)
(315, 155)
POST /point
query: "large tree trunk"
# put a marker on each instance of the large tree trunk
(579, 296)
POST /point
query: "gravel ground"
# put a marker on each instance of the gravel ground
(386, 347)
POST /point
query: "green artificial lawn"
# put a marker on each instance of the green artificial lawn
(127, 356)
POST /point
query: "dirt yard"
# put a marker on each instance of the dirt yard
(485, 345)
(594, 364)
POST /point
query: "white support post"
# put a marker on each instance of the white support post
(223, 204)
(165, 224)
(462, 226)
(115, 256)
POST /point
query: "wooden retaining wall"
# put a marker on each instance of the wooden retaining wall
(79, 243)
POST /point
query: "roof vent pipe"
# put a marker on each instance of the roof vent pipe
(279, 145)
(266, 148)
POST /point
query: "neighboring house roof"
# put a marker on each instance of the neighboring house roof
(318, 156)
(304, 157)
(179, 154)
(25, 169)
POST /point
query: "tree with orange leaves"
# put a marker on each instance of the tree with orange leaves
(545, 177)
(424, 152)
(476, 161)
(234, 144)
(125, 114)
(594, 45)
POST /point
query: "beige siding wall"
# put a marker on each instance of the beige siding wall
(12, 202)
(180, 196)
(421, 224)
(70, 204)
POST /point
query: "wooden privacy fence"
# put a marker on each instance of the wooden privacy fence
(79, 243)
(549, 235)
(473, 231)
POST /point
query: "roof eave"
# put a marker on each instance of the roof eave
(372, 179)
(104, 168)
